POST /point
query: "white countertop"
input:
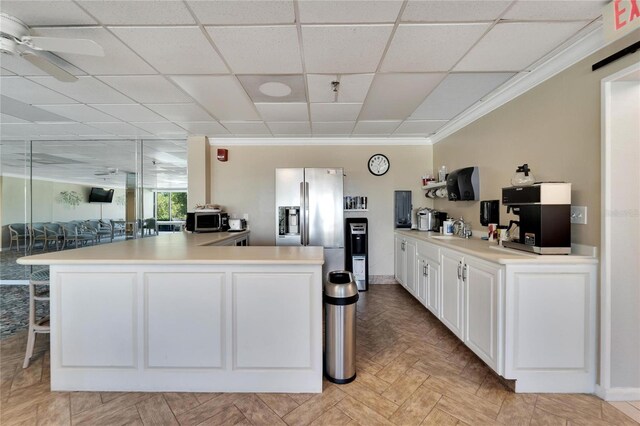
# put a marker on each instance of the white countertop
(179, 248)
(491, 252)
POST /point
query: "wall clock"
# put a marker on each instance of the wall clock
(378, 164)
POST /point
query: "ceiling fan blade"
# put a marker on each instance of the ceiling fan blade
(50, 68)
(76, 46)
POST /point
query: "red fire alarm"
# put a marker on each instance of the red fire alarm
(223, 154)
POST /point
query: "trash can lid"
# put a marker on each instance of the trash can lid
(340, 284)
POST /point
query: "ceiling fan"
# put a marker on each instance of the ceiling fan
(110, 171)
(16, 39)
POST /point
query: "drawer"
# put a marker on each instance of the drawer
(429, 250)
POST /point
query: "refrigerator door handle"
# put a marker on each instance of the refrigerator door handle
(303, 221)
(306, 213)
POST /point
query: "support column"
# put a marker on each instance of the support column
(198, 171)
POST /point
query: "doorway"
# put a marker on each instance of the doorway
(620, 237)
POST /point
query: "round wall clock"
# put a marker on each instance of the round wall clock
(378, 164)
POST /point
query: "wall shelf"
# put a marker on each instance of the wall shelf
(435, 185)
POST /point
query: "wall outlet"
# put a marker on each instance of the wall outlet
(579, 215)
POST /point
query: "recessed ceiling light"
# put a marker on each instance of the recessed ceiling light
(275, 89)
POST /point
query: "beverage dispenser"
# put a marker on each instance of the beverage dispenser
(356, 251)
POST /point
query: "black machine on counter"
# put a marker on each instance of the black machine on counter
(545, 217)
(207, 221)
(356, 253)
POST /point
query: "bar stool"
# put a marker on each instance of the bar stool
(38, 278)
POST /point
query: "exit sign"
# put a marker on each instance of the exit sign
(620, 17)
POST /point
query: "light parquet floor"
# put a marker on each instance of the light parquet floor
(411, 371)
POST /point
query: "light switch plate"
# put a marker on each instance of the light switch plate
(579, 215)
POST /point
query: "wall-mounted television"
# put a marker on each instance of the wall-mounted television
(100, 195)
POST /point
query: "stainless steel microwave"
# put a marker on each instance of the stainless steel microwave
(207, 222)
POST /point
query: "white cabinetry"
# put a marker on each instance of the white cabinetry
(483, 307)
(530, 321)
(400, 260)
(405, 262)
(452, 291)
(428, 278)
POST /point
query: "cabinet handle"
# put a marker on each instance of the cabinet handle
(464, 272)
(402, 246)
(459, 273)
(424, 270)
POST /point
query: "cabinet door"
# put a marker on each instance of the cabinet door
(483, 295)
(422, 278)
(411, 268)
(433, 287)
(452, 292)
(400, 264)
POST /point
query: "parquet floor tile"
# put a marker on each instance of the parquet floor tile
(410, 371)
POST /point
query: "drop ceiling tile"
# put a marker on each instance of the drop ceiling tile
(283, 111)
(185, 50)
(396, 96)
(18, 130)
(344, 48)
(139, 12)
(352, 88)
(118, 58)
(4, 118)
(84, 130)
(46, 12)
(79, 112)
(20, 66)
(204, 128)
(453, 11)
(86, 90)
(27, 91)
(221, 95)
(162, 128)
(121, 129)
(252, 83)
(129, 113)
(243, 12)
(297, 128)
(501, 49)
(259, 50)
(343, 128)
(73, 128)
(246, 127)
(335, 112)
(376, 127)
(28, 112)
(6, 72)
(430, 47)
(147, 88)
(335, 12)
(419, 127)
(180, 112)
(458, 92)
(555, 10)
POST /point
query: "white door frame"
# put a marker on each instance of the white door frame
(604, 389)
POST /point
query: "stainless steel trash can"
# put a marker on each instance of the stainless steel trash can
(340, 297)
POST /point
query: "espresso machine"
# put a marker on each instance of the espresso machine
(544, 211)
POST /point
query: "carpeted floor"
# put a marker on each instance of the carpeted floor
(14, 297)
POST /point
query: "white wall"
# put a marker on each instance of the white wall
(245, 185)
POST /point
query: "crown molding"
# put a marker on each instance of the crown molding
(318, 141)
(590, 41)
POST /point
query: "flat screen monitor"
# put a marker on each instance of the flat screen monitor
(100, 195)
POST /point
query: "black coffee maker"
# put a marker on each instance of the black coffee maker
(544, 211)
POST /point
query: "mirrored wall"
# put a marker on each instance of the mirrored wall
(63, 194)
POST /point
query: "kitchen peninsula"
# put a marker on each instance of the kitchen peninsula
(180, 312)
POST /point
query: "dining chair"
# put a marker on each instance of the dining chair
(17, 232)
(53, 234)
(37, 293)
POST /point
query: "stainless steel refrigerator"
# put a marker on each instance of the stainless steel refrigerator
(309, 211)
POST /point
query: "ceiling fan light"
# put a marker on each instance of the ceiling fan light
(275, 89)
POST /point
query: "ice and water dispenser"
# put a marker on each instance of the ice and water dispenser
(289, 220)
(356, 251)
